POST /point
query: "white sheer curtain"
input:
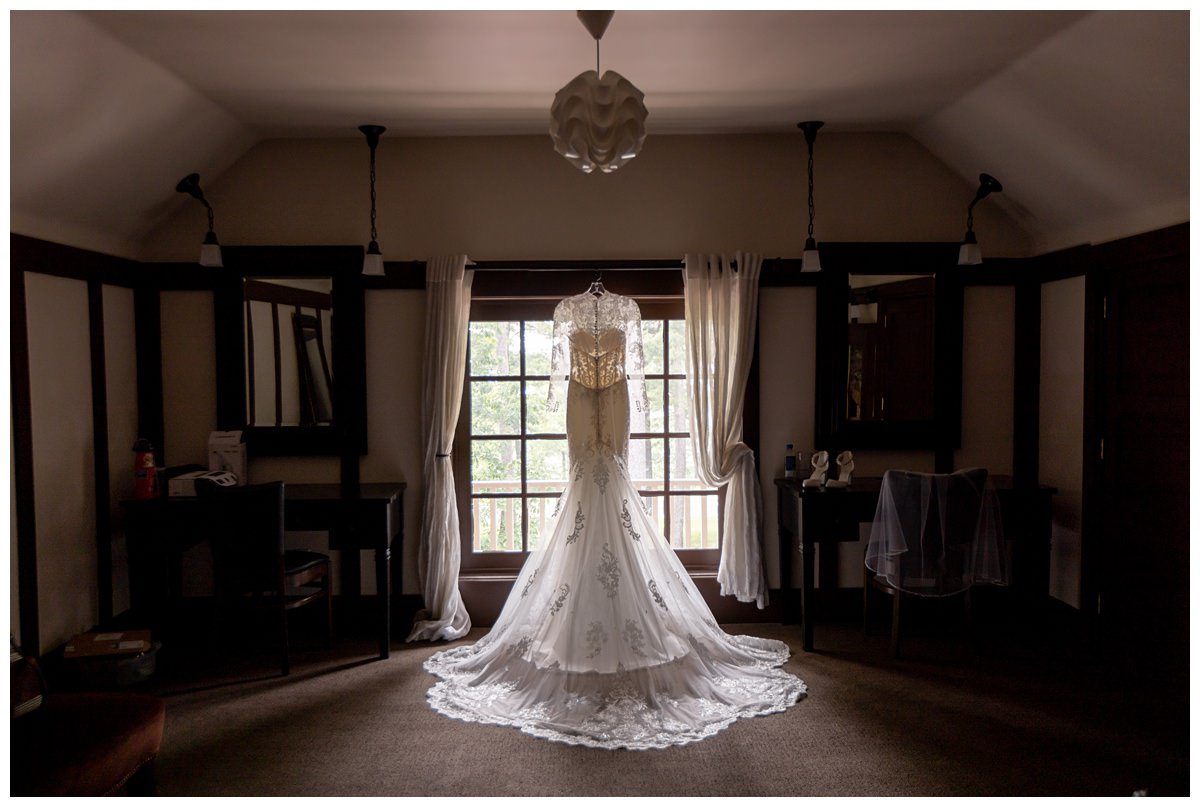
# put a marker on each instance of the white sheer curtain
(721, 309)
(447, 310)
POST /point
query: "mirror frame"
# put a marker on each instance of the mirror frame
(942, 432)
(348, 434)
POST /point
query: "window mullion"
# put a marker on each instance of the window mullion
(666, 332)
(524, 453)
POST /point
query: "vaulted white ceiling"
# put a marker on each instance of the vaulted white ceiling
(1083, 115)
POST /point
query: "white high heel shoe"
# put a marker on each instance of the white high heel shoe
(820, 464)
(845, 463)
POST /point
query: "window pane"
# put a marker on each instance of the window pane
(496, 525)
(495, 348)
(694, 522)
(547, 470)
(541, 520)
(495, 407)
(651, 421)
(656, 506)
(495, 466)
(537, 347)
(681, 406)
(646, 464)
(683, 466)
(678, 358)
(539, 419)
(652, 344)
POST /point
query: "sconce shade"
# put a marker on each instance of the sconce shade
(373, 261)
(210, 255)
(969, 253)
(811, 261)
(598, 123)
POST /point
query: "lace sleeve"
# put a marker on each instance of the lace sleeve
(635, 358)
(560, 369)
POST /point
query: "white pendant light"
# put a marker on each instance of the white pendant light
(373, 259)
(598, 122)
(811, 261)
(210, 250)
(969, 253)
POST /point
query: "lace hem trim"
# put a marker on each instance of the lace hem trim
(618, 713)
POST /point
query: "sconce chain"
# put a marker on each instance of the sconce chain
(373, 234)
(812, 209)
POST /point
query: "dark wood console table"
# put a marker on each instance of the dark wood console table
(827, 516)
(361, 517)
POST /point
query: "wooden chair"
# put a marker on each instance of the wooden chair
(249, 557)
(947, 539)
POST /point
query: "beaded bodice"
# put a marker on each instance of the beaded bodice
(597, 342)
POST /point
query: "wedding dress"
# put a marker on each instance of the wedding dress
(605, 640)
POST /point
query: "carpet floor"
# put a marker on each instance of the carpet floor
(1019, 718)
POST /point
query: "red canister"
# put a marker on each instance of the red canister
(145, 479)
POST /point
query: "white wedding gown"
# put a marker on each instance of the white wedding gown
(605, 641)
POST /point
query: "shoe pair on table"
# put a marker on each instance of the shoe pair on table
(820, 464)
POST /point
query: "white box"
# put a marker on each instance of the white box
(227, 452)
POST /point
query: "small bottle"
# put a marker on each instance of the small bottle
(789, 462)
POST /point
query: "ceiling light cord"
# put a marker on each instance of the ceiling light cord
(597, 57)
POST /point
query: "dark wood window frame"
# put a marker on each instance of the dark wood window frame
(532, 296)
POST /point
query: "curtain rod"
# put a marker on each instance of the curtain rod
(581, 266)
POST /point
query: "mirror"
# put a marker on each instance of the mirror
(890, 348)
(289, 351)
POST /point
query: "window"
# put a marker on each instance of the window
(516, 451)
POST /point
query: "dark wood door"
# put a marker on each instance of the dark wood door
(906, 357)
(1144, 576)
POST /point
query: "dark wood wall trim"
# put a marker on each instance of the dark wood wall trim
(1027, 362)
(49, 258)
(104, 576)
(1094, 413)
(147, 325)
(22, 426)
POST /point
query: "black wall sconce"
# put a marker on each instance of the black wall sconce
(210, 250)
(969, 253)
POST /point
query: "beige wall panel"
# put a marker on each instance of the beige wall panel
(787, 333)
(63, 470)
(514, 197)
(1060, 434)
(395, 343)
(120, 374)
(989, 314)
(189, 368)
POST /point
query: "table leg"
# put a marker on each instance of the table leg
(785, 560)
(806, 591)
(383, 596)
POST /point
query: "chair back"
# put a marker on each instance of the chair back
(246, 529)
(926, 533)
